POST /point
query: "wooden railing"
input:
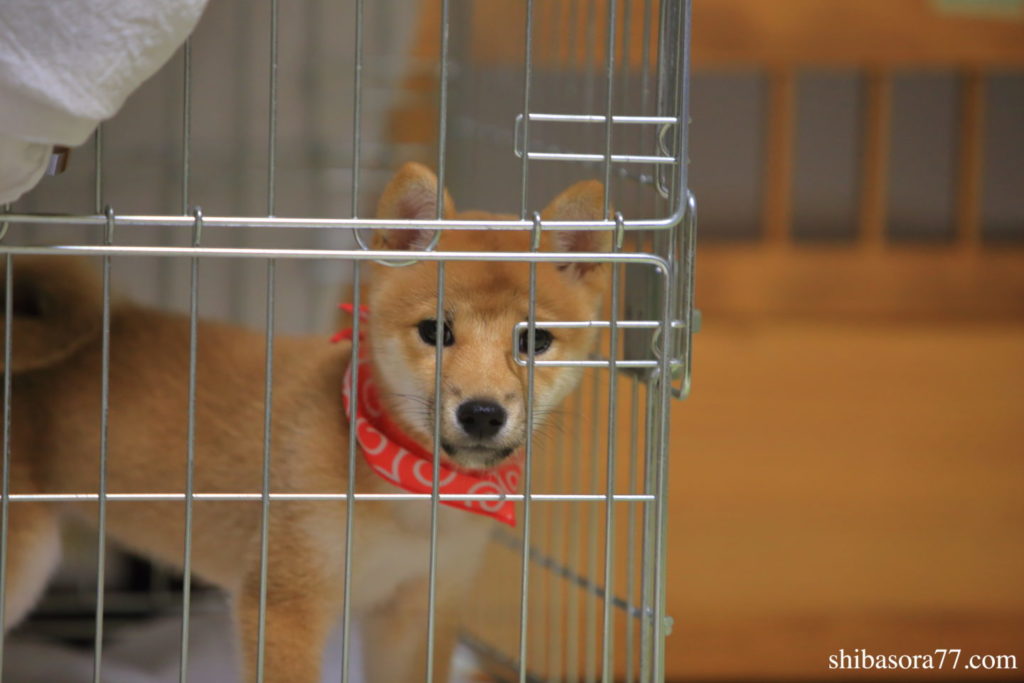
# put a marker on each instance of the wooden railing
(878, 38)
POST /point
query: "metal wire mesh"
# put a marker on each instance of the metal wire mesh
(597, 89)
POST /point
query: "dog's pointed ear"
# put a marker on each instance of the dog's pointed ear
(584, 201)
(411, 195)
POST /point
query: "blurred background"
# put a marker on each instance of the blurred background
(847, 472)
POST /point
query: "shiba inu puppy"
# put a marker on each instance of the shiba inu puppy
(55, 439)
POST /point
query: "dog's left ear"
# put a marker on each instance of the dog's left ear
(584, 201)
(411, 195)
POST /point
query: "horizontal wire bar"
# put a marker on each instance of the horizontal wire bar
(589, 363)
(599, 118)
(228, 497)
(176, 221)
(616, 158)
(497, 135)
(600, 324)
(660, 263)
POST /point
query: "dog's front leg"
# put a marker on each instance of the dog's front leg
(33, 552)
(395, 639)
(298, 620)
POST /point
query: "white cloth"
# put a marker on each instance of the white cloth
(66, 65)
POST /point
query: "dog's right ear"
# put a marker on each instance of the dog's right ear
(411, 195)
(584, 202)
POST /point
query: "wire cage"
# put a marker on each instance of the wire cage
(234, 186)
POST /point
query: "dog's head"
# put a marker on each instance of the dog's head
(483, 389)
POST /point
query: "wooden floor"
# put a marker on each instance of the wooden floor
(846, 485)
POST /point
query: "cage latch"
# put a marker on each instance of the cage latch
(556, 153)
(686, 319)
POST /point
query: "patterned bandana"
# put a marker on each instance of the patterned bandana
(401, 461)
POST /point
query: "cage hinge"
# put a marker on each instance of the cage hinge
(644, 300)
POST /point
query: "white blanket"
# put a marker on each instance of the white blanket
(66, 65)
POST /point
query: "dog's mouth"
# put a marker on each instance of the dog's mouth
(477, 456)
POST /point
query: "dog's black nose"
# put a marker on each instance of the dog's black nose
(481, 419)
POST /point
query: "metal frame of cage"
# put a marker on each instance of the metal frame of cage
(658, 283)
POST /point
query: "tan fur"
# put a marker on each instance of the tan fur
(56, 437)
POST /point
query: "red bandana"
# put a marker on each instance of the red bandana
(401, 461)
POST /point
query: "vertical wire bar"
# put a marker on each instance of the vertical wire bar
(572, 651)
(589, 65)
(435, 485)
(101, 540)
(531, 354)
(272, 111)
(659, 50)
(626, 56)
(682, 105)
(556, 550)
(609, 108)
(239, 280)
(559, 513)
(572, 45)
(971, 148)
(631, 487)
(524, 178)
(649, 103)
(5, 498)
(442, 109)
(101, 559)
(541, 635)
(661, 473)
(353, 446)
(268, 403)
(190, 453)
(609, 544)
(607, 642)
(589, 57)
(357, 114)
(875, 163)
(664, 386)
(777, 207)
(626, 99)
(645, 65)
(439, 347)
(97, 202)
(186, 125)
(590, 606)
(647, 544)
(524, 172)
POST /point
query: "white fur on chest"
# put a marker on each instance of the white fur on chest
(395, 549)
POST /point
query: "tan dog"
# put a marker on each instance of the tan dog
(56, 425)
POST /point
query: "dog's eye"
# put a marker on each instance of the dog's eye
(428, 332)
(542, 341)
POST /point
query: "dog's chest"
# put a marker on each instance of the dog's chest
(394, 550)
